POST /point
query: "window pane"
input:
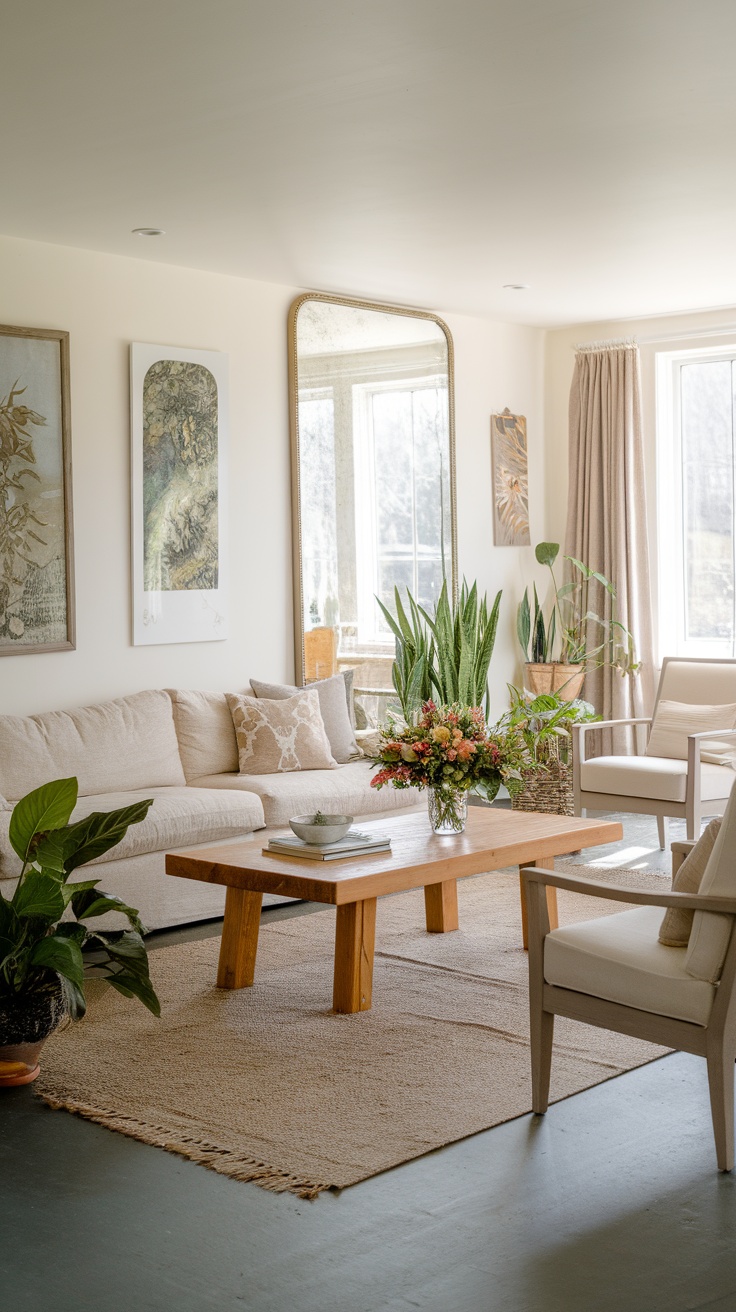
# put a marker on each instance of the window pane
(707, 402)
(412, 492)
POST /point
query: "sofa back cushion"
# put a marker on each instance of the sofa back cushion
(206, 733)
(113, 747)
(711, 933)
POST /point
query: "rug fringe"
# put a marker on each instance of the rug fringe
(215, 1158)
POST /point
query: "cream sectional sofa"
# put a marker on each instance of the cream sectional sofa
(179, 748)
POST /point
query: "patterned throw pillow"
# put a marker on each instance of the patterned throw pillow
(675, 929)
(278, 736)
(334, 704)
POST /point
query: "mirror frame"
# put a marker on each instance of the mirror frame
(296, 517)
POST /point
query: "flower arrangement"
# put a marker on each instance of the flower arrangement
(452, 751)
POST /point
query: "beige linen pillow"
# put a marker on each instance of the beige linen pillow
(674, 721)
(676, 925)
(334, 704)
(278, 736)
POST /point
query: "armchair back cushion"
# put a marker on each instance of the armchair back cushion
(711, 932)
(113, 747)
(673, 721)
(698, 682)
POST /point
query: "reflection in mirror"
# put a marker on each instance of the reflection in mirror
(374, 479)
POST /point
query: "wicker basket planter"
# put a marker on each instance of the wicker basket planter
(550, 790)
(565, 680)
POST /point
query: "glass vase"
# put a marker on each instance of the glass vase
(447, 809)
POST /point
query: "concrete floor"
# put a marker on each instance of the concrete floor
(611, 1201)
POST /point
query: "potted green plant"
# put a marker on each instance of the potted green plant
(561, 648)
(544, 723)
(46, 945)
(443, 657)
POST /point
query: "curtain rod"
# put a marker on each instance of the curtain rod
(620, 344)
(684, 336)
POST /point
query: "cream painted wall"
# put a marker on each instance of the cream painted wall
(667, 333)
(105, 302)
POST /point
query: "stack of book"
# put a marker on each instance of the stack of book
(355, 843)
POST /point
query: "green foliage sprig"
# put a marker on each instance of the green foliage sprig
(38, 948)
(443, 657)
(584, 637)
(545, 722)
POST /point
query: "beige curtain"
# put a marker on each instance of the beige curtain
(607, 518)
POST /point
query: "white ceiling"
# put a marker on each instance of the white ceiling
(416, 151)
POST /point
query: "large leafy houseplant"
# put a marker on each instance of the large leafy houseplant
(573, 633)
(444, 657)
(47, 945)
(545, 722)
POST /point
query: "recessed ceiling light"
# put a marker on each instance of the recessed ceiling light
(516, 286)
(148, 232)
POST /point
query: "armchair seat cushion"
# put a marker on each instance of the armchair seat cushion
(661, 778)
(619, 958)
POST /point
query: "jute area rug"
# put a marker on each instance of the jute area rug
(268, 1084)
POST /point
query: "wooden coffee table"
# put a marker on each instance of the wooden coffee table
(493, 839)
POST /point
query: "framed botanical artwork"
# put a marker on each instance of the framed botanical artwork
(510, 468)
(36, 544)
(179, 484)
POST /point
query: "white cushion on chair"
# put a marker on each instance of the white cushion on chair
(674, 721)
(711, 932)
(658, 777)
(618, 958)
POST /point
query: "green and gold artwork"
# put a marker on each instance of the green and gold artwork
(180, 478)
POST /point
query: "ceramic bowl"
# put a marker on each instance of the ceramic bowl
(331, 829)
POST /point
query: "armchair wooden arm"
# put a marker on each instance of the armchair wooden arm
(617, 892)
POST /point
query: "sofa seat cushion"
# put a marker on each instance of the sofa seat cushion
(345, 790)
(658, 777)
(179, 817)
(123, 744)
(619, 958)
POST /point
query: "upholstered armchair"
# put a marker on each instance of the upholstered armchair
(685, 770)
(614, 972)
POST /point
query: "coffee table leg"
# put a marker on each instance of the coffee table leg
(440, 906)
(239, 943)
(355, 938)
(544, 863)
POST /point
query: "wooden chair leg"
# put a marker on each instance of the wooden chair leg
(721, 1086)
(542, 1035)
(541, 1022)
(544, 863)
(663, 832)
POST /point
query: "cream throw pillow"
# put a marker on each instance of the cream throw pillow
(278, 736)
(673, 721)
(334, 704)
(676, 925)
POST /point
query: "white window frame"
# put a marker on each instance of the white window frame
(670, 505)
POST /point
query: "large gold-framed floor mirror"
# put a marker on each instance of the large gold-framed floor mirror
(373, 481)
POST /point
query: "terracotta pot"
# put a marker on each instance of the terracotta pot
(25, 1025)
(566, 680)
